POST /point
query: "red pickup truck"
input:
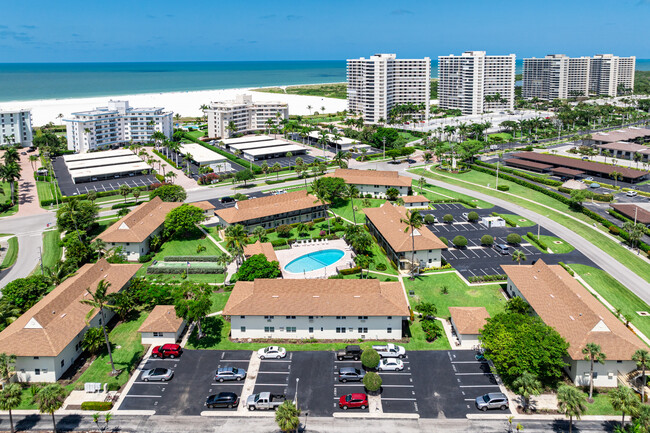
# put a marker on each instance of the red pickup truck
(167, 351)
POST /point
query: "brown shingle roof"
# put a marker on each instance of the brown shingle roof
(371, 177)
(387, 219)
(140, 223)
(317, 298)
(50, 325)
(564, 304)
(162, 318)
(625, 147)
(629, 209)
(579, 164)
(621, 135)
(567, 171)
(522, 163)
(203, 205)
(266, 206)
(415, 199)
(258, 247)
(468, 320)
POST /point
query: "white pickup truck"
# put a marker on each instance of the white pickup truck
(390, 350)
(264, 400)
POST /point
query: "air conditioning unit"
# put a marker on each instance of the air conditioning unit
(268, 320)
(363, 337)
(363, 320)
(311, 320)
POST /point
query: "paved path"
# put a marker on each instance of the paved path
(28, 197)
(180, 179)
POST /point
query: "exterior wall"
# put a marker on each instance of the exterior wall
(132, 251)
(17, 124)
(167, 337)
(319, 327)
(379, 191)
(421, 204)
(246, 115)
(277, 220)
(606, 375)
(607, 72)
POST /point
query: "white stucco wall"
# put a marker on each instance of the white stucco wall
(133, 250)
(605, 374)
(167, 337)
(379, 190)
(418, 204)
(321, 327)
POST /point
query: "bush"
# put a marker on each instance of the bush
(472, 216)
(429, 219)
(503, 187)
(191, 258)
(145, 258)
(381, 267)
(566, 268)
(534, 239)
(444, 240)
(283, 231)
(97, 405)
(370, 358)
(487, 240)
(487, 278)
(448, 218)
(194, 269)
(354, 270)
(513, 238)
(125, 205)
(529, 176)
(432, 329)
(614, 230)
(372, 381)
(459, 241)
(279, 242)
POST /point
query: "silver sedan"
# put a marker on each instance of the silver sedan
(161, 374)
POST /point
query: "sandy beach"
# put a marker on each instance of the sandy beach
(186, 103)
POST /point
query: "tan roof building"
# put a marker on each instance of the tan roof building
(264, 297)
(203, 205)
(415, 199)
(138, 225)
(564, 304)
(257, 208)
(258, 247)
(47, 328)
(468, 320)
(162, 318)
(371, 177)
(627, 134)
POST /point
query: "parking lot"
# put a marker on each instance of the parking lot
(433, 383)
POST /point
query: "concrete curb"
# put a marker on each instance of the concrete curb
(376, 415)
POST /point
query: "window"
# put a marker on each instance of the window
(341, 317)
(36, 357)
(242, 317)
(157, 334)
(62, 362)
(290, 317)
(340, 330)
(363, 317)
(243, 329)
(311, 317)
(37, 372)
(268, 317)
(311, 330)
(291, 329)
(389, 330)
(269, 329)
(363, 330)
(389, 317)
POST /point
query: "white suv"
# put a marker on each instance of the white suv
(631, 193)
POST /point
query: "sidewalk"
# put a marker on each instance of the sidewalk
(180, 179)
(28, 202)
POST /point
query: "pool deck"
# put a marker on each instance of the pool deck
(286, 256)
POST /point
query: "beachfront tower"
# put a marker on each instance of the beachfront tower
(245, 115)
(611, 75)
(16, 127)
(377, 84)
(475, 83)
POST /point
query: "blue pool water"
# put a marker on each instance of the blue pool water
(314, 261)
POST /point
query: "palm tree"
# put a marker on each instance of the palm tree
(32, 161)
(158, 138)
(58, 273)
(518, 256)
(413, 221)
(571, 402)
(351, 192)
(625, 400)
(231, 128)
(593, 354)
(10, 173)
(309, 107)
(11, 155)
(277, 168)
(7, 364)
(259, 232)
(526, 386)
(10, 398)
(606, 153)
(50, 399)
(100, 300)
(171, 175)
(287, 416)
(236, 239)
(616, 176)
(642, 359)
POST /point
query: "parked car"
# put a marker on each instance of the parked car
(465, 214)
(223, 399)
(265, 401)
(157, 374)
(350, 352)
(227, 199)
(272, 352)
(631, 193)
(594, 185)
(390, 364)
(353, 401)
(230, 373)
(351, 374)
(23, 153)
(589, 179)
(492, 400)
(390, 350)
(167, 351)
(502, 248)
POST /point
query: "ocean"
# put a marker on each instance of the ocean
(28, 81)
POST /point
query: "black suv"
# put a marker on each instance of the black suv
(227, 199)
(351, 374)
(223, 399)
(350, 352)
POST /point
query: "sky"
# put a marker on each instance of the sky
(225, 30)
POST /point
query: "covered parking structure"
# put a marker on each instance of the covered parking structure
(528, 165)
(274, 152)
(247, 139)
(343, 144)
(97, 155)
(100, 162)
(108, 172)
(257, 145)
(202, 155)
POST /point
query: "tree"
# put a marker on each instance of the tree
(593, 354)
(93, 340)
(624, 400)
(49, 399)
(231, 128)
(527, 385)
(459, 241)
(125, 190)
(99, 300)
(258, 266)
(518, 256)
(11, 397)
(413, 221)
(136, 194)
(92, 196)
(427, 309)
(182, 221)
(351, 192)
(259, 232)
(372, 381)
(472, 216)
(487, 240)
(24, 293)
(244, 175)
(392, 193)
(333, 187)
(287, 416)
(448, 218)
(616, 176)
(277, 168)
(513, 238)
(236, 236)
(283, 230)
(370, 358)
(517, 305)
(7, 366)
(192, 302)
(571, 402)
(578, 196)
(635, 232)
(642, 359)
(32, 161)
(169, 193)
(77, 214)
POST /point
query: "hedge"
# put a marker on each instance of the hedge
(350, 271)
(128, 204)
(528, 176)
(194, 269)
(100, 194)
(191, 259)
(455, 200)
(278, 242)
(487, 278)
(222, 152)
(503, 188)
(623, 218)
(533, 238)
(599, 197)
(164, 158)
(97, 405)
(566, 268)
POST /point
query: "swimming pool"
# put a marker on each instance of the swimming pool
(313, 261)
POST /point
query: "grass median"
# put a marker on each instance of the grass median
(12, 253)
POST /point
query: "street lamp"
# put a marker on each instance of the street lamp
(296, 398)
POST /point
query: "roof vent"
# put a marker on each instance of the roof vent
(571, 317)
(275, 296)
(551, 295)
(535, 276)
(316, 296)
(63, 315)
(357, 296)
(53, 312)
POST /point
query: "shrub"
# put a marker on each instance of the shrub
(566, 268)
(487, 240)
(429, 219)
(513, 238)
(191, 258)
(381, 267)
(283, 231)
(534, 239)
(97, 405)
(279, 242)
(319, 220)
(354, 270)
(444, 240)
(432, 329)
(503, 187)
(125, 205)
(145, 258)
(448, 218)
(614, 230)
(487, 278)
(372, 381)
(194, 269)
(370, 358)
(459, 241)
(472, 216)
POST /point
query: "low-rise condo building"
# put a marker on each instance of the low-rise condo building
(386, 225)
(47, 338)
(374, 182)
(321, 309)
(16, 127)
(380, 83)
(579, 317)
(114, 125)
(244, 115)
(272, 211)
(162, 326)
(467, 322)
(416, 201)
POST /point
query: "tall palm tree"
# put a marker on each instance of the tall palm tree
(158, 138)
(99, 300)
(171, 176)
(277, 168)
(593, 354)
(518, 256)
(50, 399)
(526, 386)
(11, 155)
(642, 359)
(58, 273)
(571, 402)
(10, 398)
(231, 128)
(413, 221)
(625, 400)
(309, 107)
(32, 161)
(10, 173)
(351, 192)
(236, 239)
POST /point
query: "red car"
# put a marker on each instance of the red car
(353, 400)
(167, 351)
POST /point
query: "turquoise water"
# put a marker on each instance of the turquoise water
(26, 81)
(314, 261)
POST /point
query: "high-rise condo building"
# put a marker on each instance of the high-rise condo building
(475, 83)
(115, 124)
(611, 75)
(377, 84)
(245, 115)
(16, 127)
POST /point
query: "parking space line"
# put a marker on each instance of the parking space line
(275, 360)
(476, 386)
(397, 386)
(150, 383)
(235, 360)
(143, 396)
(271, 384)
(398, 399)
(385, 373)
(274, 372)
(472, 374)
(239, 383)
(468, 362)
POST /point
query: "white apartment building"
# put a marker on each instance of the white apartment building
(247, 116)
(464, 82)
(115, 124)
(607, 72)
(16, 127)
(556, 76)
(374, 182)
(377, 84)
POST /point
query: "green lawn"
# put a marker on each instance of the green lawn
(11, 254)
(343, 208)
(429, 288)
(187, 247)
(377, 256)
(365, 272)
(557, 248)
(333, 90)
(126, 357)
(44, 190)
(601, 405)
(176, 278)
(436, 193)
(6, 196)
(52, 249)
(406, 137)
(519, 220)
(219, 300)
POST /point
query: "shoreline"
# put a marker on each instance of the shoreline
(187, 103)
